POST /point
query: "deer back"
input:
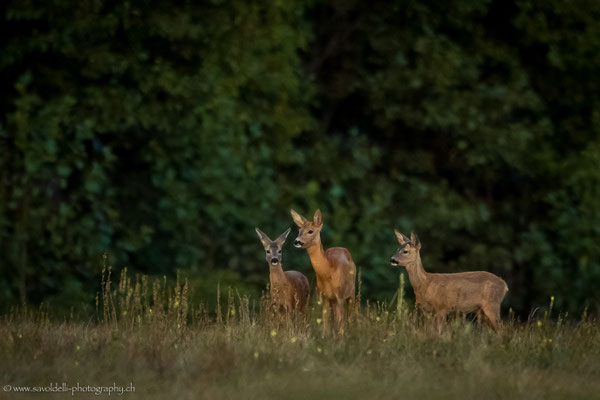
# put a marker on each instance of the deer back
(464, 292)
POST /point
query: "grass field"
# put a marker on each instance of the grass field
(147, 334)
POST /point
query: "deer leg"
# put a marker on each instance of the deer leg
(339, 316)
(350, 308)
(288, 315)
(492, 313)
(480, 317)
(332, 314)
(327, 309)
(323, 307)
(440, 318)
(278, 312)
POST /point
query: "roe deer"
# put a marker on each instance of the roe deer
(478, 291)
(289, 289)
(335, 268)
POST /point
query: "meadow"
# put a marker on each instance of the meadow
(147, 333)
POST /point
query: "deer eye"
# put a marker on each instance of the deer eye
(309, 232)
(268, 251)
(279, 251)
(405, 251)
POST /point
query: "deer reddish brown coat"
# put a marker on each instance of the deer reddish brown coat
(478, 291)
(289, 289)
(335, 269)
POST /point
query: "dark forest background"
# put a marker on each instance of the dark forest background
(163, 132)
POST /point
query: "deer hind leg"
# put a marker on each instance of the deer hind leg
(303, 305)
(302, 302)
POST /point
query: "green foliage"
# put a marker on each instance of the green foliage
(163, 134)
(466, 140)
(143, 133)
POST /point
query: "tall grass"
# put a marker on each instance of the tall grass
(147, 332)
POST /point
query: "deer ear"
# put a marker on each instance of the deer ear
(414, 240)
(263, 238)
(401, 238)
(283, 236)
(298, 219)
(318, 218)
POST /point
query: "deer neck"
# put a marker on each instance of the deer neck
(416, 273)
(276, 275)
(318, 258)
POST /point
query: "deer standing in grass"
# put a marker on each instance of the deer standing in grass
(478, 291)
(289, 289)
(335, 268)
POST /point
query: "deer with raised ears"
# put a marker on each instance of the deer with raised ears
(335, 269)
(289, 289)
(480, 292)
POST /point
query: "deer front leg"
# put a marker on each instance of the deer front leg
(329, 311)
(339, 316)
(480, 317)
(287, 314)
(492, 313)
(324, 305)
(440, 318)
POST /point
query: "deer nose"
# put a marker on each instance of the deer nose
(393, 261)
(297, 242)
(274, 261)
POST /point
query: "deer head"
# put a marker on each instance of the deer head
(273, 247)
(408, 251)
(309, 232)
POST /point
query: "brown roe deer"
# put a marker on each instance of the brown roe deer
(335, 268)
(465, 292)
(289, 289)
